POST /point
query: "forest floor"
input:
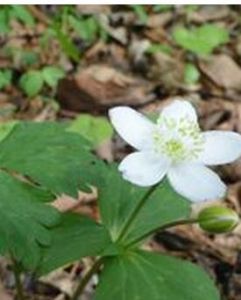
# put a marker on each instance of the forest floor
(141, 56)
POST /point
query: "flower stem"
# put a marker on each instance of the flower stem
(168, 225)
(136, 211)
(18, 283)
(80, 288)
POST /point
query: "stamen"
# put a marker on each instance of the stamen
(178, 139)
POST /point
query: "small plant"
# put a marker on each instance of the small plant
(152, 190)
(5, 78)
(18, 12)
(70, 26)
(94, 129)
(201, 40)
(33, 81)
(191, 74)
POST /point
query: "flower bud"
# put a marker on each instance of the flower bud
(218, 219)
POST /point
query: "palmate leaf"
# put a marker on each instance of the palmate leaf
(58, 160)
(118, 199)
(24, 218)
(142, 275)
(75, 237)
(51, 161)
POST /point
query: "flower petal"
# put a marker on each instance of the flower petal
(143, 168)
(196, 182)
(179, 109)
(132, 126)
(220, 147)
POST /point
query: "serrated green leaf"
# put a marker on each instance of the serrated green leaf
(191, 74)
(201, 40)
(56, 159)
(52, 75)
(5, 78)
(142, 275)
(118, 199)
(23, 219)
(23, 14)
(94, 129)
(32, 83)
(75, 237)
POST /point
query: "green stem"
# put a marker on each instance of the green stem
(80, 288)
(136, 211)
(18, 283)
(168, 225)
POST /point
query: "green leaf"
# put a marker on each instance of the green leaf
(87, 29)
(155, 48)
(142, 275)
(28, 57)
(24, 219)
(140, 12)
(191, 74)
(4, 20)
(201, 40)
(162, 8)
(94, 129)
(23, 14)
(32, 83)
(5, 78)
(6, 128)
(91, 26)
(52, 75)
(118, 199)
(66, 43)
(52, 157)
(75, 237)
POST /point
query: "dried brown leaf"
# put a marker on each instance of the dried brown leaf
(102, 86)
(223, 71)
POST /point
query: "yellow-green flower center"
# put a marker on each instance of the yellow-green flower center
(174, 149)
(179, 139)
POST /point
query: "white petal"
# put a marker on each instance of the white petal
(220, 147)
(143, 168)
(196, 182)
(132, 126)
(180, 109)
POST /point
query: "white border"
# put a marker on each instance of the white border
(100, 2)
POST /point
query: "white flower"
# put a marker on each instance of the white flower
(175, 147)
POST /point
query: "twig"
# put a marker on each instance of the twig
(80, 288)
